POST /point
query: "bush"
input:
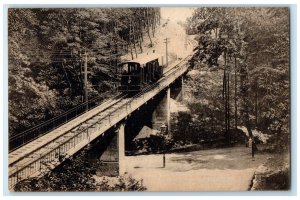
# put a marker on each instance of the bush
(152, 144)
(122, 183)
(78, 174)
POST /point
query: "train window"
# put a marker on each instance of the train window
(146, 74)
(125, 68)
(134, 68)
(130, 68)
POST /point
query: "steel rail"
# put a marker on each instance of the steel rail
(54, 122)
(120, 97)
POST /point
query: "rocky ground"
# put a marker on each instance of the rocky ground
(274, 174)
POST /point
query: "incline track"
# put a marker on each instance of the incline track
(21, 139)
(48, 150)
(60, 132)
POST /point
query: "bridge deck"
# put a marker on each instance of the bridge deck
(36, 144)
(50, 149)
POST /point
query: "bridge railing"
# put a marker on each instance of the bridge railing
(19, 140)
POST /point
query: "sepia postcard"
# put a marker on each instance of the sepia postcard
(159, 99)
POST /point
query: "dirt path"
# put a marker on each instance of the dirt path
(229, 169)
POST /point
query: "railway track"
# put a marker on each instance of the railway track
(69, 127)
(34, 151)
(48, 151)
(21, 139)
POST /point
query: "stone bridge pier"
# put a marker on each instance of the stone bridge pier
(177, 89)
(161, 111)
(109, 149)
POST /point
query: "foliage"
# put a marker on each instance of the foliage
(152, 144)
(252, 43)
(123, 183)
(78, 174)
(191, 128)
(48, 49)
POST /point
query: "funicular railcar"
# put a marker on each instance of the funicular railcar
(138, 73)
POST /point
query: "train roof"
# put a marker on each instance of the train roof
(145, 58)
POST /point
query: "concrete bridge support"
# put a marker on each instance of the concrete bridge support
(115, 151)
(177, 89)
(110, 150)
(161, 114)
(111, 153)
(121, 148)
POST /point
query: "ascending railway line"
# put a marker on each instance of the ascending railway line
(48, 151)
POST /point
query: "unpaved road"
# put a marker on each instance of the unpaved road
(227, 169)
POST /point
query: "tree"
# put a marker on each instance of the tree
(255, 43)
(47, 53)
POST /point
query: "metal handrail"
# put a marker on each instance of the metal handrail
(49, 125)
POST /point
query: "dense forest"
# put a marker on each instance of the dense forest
(49, 47)
(243, 56)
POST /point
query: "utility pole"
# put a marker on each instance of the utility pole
(235, 71)
(164, 132)
(85, 81)
(167, 40)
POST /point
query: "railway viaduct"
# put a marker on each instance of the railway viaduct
(119, 117)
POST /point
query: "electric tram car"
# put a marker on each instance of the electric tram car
(134, 75)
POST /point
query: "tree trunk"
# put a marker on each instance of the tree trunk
(149, 37)
(225, 102)
(130, 40)
(245, 100)
(228, 106)
(66, 75)
(148, 28)
(235, 95)
(76, 73)
(131, 52)
(141, 31)
(256, 103)
(140, 43)
(153, 27)
(134, 41)
(116, 60)
(226, 86)
(110, 59)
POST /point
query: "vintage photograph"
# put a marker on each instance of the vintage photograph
(158, 99)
